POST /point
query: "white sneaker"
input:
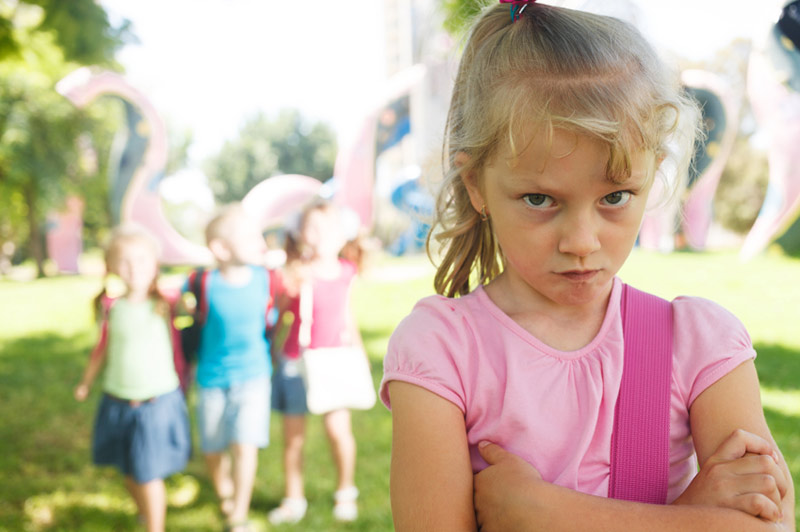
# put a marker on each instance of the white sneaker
(290, 511)
(345, 507)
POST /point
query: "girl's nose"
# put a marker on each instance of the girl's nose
(579, 235)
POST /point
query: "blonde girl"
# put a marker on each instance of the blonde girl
(503, 387)
(142, 424)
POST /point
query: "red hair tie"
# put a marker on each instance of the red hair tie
(517, 7)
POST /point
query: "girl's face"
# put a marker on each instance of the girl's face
(137, 265)
(322, 233)
(564, 228)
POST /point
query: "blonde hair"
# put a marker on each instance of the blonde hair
(552, 68)
(122, 237)
(221, 226)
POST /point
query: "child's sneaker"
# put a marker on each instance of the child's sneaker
(345, 508)
(290, 511)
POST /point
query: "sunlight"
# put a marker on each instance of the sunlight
(786, 402)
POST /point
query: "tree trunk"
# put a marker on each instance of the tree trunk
(35, 244)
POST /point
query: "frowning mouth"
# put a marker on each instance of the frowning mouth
(579, 275)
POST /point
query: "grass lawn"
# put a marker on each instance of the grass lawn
(46, 330)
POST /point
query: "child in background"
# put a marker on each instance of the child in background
(142, 425)
(559, 123)
(233, 362)
(313, 251)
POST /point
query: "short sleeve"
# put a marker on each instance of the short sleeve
(709, 343)
(429, 349)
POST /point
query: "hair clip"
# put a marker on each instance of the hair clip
(517, 7)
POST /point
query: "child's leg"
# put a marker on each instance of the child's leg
(245, 463)
(343, 446)
(219, 467)
(151, 498)
(294, 433)
(131, 486)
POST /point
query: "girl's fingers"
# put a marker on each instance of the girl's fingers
(760, 465)
(741, 442)
(760, 485)
(759, 505)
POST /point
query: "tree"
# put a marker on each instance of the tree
(40, 156)
(264, 148)
(79, 28)
(459, 13)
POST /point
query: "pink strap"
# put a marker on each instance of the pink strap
(640, 441)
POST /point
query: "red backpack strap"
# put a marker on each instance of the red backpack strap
(182, 367)
(105, 307)
(198, 284)
(640, 441)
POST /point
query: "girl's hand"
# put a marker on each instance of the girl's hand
(501, 491)
(742, 474)
(81, 392)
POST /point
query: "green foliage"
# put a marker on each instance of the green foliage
(80, 28)
(460, 13)
(43, 142)
(264, 148)
(37, 143)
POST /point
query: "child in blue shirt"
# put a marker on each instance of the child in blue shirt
(233, 362)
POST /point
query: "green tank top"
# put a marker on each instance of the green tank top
(139, 363)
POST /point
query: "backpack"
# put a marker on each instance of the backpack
(182, 367)
(640, 437)
(190, 337)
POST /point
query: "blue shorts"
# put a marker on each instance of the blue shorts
(237, 414)
(288, 390)
(148, 441)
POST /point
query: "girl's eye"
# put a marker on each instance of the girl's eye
(617, 199)
(538, 200)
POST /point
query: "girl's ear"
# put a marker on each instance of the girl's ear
(470, 179)
(219, 249)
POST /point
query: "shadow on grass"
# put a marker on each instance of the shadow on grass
(49, 482)
(778, 366)
(45, 439)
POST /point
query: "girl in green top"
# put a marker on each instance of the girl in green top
(142, 424)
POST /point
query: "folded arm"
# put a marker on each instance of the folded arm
(431, 475)
(510, 494)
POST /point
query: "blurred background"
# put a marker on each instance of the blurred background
(161, 111)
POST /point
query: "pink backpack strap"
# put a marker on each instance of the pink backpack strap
(640, 441)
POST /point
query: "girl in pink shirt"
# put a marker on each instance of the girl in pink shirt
(560, 122)
(315, 259)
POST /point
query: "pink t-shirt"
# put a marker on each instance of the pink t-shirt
(329, 318)
(553, 408)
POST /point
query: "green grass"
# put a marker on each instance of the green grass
(49, 484)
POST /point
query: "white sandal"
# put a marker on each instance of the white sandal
(345, 507)
(290, 511)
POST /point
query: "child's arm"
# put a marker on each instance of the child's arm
(734, 403)
(96, 361)
(510, 495)
(431, 475)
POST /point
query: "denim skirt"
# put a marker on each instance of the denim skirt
(147, 441)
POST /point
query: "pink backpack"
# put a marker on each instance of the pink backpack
(640, 439)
